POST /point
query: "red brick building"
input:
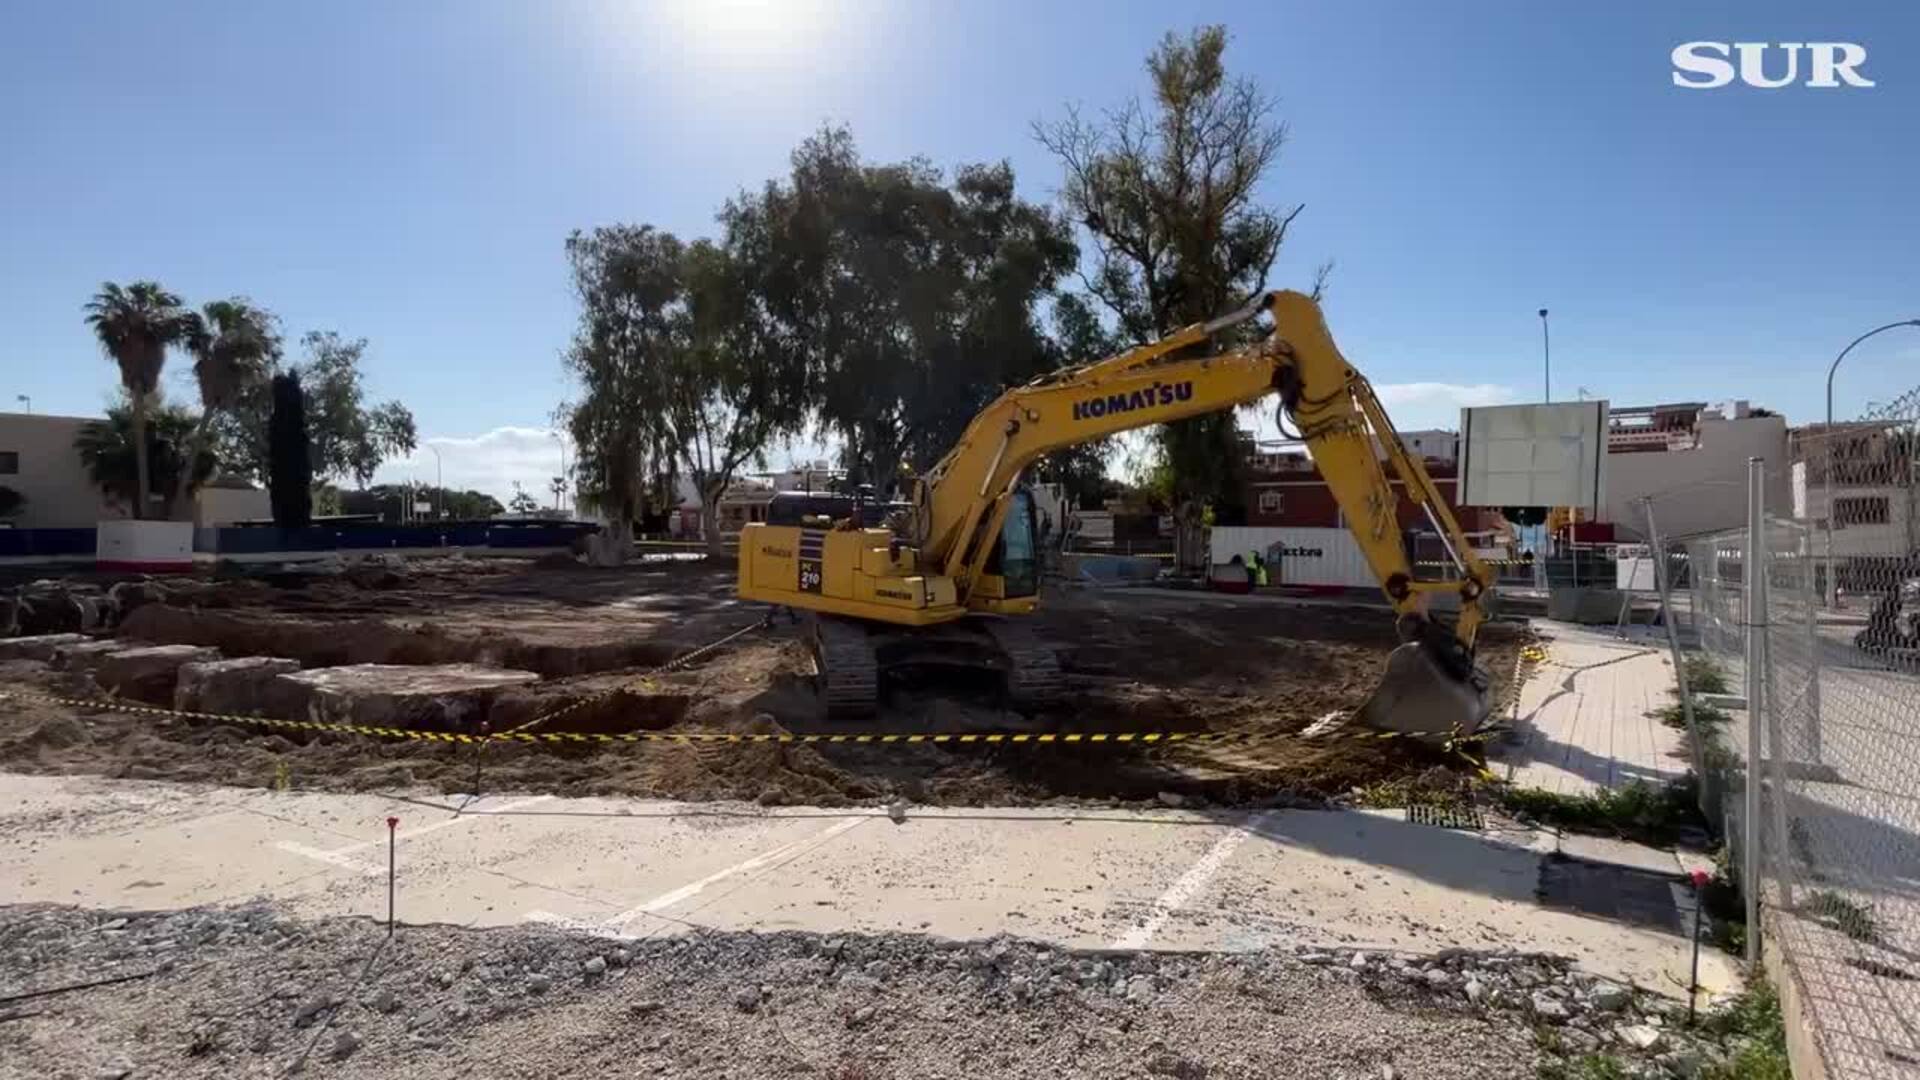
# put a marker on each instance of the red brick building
(1286, 489)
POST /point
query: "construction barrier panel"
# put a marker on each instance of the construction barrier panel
(1297, 555)
(146, 547)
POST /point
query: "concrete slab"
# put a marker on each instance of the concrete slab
(1376, 881)
(39, 816)
(37, 646)
(441, 697)
(1607, 850)
(179, 863)
(149, 674)
(85, 655)
(242, 687)
(1118, 879)
(1583, 720)
(1077, 880)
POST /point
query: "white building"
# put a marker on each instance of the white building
(1286, 455)
(1691, 459)
(1858, 486)
(37, 459)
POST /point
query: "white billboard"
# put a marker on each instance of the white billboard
(1534, 455)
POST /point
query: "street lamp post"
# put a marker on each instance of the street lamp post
(1546, 354)
(562, 440)
(1826, 457)
(439, 484)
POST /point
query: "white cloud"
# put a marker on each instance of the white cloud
(1432, 397)
(489, 462)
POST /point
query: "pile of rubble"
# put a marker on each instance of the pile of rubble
(47, 606)
(247, 992)
(1585, 1014)
(218, 992)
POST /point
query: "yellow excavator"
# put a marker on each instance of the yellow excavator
(946, 585)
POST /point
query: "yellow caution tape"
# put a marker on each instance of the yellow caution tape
(1483, 562)
(1023, 738)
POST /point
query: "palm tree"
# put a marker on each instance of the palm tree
(106, 448)
(136, 325)
(233, 344)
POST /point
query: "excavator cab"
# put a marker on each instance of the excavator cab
(1015, 559)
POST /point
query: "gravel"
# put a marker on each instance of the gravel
(1609, 997)
(250, 993)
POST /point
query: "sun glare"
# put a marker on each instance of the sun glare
(745, 32)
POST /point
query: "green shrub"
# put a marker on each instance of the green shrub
(1754, 1015)
(1703, 675)
(1709, 717)
(1586, 1067)
(1638, 811)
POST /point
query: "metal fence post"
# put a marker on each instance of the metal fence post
(1752, 614)
(1808, 597)
(1773, 761)
(1695, 745)
(1831, 584)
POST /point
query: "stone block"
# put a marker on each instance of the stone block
(427, 697)
(244, 687)
(149, 673)
(85, 656)
(38, 647)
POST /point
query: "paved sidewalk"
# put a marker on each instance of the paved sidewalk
(1222, 880)
(1583, 717)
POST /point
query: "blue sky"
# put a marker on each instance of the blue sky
(407, 172)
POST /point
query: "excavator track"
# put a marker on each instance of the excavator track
(849, 673)
(1034, 679)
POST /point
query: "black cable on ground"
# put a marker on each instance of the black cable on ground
(31, 994)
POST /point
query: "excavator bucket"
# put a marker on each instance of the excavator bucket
(1419, 697)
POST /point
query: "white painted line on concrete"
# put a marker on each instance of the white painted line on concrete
(343, 856)
(1186, 885)
(563, 922)
(332, 858)
(467, 814)
(765, 858)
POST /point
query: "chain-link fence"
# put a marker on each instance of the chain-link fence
(1812, 614)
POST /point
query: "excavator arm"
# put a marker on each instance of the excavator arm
(961, 503)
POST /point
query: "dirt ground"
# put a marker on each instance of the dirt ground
(1137, 661)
